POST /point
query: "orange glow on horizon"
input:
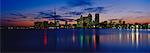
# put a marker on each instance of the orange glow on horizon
(20, 23)
(31, 23)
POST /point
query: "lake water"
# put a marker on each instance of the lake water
(76, 40)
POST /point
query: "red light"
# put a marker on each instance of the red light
(45, 39)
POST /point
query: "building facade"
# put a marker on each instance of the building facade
(96, 20)
(85, 22)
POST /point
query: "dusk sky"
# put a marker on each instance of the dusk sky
(26, 11)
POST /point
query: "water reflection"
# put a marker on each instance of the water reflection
(77, 40)
(137, 37)
(97, 38)
(133, 37)
(149, 36)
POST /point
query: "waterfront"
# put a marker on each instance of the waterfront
(76, 40)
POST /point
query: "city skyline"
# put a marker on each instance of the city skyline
(24, 13)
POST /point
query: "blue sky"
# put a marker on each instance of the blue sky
(9, 6)
(108, 9)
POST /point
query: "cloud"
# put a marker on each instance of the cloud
(64, 8)
(47, 14)
(74, 13)
(8, 20)
(136, 11)
(18, 15)
(43, 14)
(74, 3)
(94, 9)
(67, 16)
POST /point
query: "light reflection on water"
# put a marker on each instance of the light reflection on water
(97, 38)
(77, 40)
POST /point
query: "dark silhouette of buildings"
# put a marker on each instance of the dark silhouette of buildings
(84, 22)
(96, 20)
(87, 22)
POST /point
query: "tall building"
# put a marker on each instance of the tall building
(66, 24)
(90, 22)
(96, 20)
(41, 24)
(37, 24)
(56, 23)
(90, 17)
(45, 23)
(85, 22)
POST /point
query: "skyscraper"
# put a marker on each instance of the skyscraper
(85, 22)
(90, 17)
(96, 20)
(89, 20)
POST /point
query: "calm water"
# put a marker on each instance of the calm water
(76, 40)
